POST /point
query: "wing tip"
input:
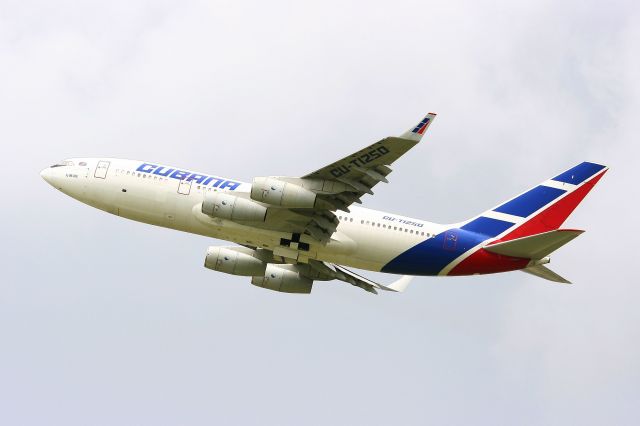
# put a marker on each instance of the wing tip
(416, 132)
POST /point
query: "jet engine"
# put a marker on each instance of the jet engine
(284, 278)
(280, 193)
(234, 261)
(230, 207)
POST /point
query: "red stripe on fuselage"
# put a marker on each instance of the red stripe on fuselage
(484, 262)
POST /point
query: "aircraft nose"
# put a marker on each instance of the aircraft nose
(46, 175)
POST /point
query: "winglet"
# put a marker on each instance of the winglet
(417, 131)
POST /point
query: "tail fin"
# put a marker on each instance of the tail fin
(526, 222)
(545, 207)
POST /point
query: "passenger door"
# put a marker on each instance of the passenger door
(184, 187)
(101, 169)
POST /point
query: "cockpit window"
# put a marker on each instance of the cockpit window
(63, 163)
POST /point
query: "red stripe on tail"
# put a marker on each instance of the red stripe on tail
(554, 215)
(484, 262)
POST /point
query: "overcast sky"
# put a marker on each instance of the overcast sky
(108, 321)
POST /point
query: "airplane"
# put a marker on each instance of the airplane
(293, 231)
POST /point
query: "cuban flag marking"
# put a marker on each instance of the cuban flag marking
(420, 128)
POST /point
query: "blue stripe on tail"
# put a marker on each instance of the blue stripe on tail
(530, 201)
(579, 173)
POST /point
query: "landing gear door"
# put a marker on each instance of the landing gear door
(101, 169)
(184, 187)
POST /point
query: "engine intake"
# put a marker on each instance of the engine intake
(279, 193)
(230, 207)
(284, 278)
(234, 261)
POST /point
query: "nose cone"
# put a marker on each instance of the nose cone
(47, 175)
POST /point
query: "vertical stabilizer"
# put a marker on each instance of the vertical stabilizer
(526, 222)
(545, 207)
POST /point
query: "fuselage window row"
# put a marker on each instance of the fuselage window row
(341, 218)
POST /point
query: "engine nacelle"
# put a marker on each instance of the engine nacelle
(230, 207)
(283, 278)
(279, 193)
(234, 261)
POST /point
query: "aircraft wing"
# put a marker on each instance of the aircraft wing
(344, 182)
(363, 170)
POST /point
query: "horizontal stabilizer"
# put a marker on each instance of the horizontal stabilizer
(545, 273)
(535, 246)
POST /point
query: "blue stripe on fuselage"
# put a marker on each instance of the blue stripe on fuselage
(432, 255)
(530, 201)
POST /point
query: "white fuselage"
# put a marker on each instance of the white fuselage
(365, 238)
